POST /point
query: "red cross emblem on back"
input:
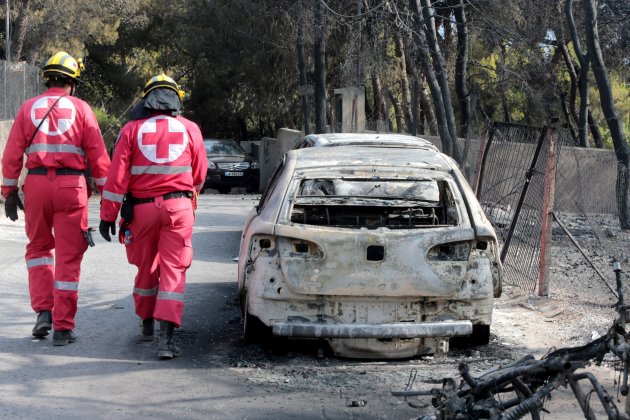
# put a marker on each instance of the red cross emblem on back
(59, 120)
(55, 115)
(162, 139)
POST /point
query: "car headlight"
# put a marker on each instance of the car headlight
(211, 165)
(254, 164)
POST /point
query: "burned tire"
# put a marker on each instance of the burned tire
(480, 336)
(254, 330)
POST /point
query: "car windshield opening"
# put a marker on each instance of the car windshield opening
(395, 204)
(226, 148)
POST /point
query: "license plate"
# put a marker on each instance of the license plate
(234, 174)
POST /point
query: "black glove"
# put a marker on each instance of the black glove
(105, 227)
(11, 205)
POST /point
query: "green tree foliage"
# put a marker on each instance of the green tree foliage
(237, 59)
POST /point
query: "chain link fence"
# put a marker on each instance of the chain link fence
(530, 173)
(19, 81)
(586, 235)
(511, 192)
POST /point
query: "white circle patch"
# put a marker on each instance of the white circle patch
(59, 120)
(162, 139)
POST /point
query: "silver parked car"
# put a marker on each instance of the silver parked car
(381, 250)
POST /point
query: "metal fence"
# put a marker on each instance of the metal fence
(553, 206)
(19, 81)
(511, 192)
(586, 235)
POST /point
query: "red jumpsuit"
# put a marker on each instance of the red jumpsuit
(155, 157)
(54, 201)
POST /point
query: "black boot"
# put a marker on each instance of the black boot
(147, 329)
(167, 348)
(63, 337)
(43, 324)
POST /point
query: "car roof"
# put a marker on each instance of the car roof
(369, 139)
(351, 155)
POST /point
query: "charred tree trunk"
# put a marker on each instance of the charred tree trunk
(306, 112)
(568, 61)
(404, 84)
(567, 114)
(424, 58)
(584, 60)
(20, 32)
(424, 117)
(600, 72)
(597, 135)
(463, 96)
(397, 109)
(320, 69)
(379, 100)
(441, 74)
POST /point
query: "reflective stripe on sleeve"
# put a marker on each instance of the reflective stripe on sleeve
(170, 296)
(67, 285)
(162, 170)
(56, 148)
(145, 292)
(9, 182)
(100, 181)
(36, 262)
(108, 195)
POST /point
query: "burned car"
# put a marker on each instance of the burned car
(384, 252)
(354, 139)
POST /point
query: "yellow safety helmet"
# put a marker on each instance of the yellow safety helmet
(63, 64)
(162, 81)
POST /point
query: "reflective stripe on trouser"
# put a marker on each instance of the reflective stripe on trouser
(40, 274)
(162, 250)
(59, 203)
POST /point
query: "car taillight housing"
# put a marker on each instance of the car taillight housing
(451, 251)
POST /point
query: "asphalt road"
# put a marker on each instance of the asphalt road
(111, 373)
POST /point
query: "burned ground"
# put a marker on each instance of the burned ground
(577, 310)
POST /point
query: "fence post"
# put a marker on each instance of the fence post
(547, 212)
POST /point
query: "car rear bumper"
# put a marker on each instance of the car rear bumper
(396, 330)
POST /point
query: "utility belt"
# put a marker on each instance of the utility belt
(40, 170)
(167, 196)
(126, 210)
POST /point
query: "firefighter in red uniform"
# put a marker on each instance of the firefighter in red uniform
(59, 135)
(158, 167)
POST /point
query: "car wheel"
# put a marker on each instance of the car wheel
(479, 337)
(224, 190)
(254, 331)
